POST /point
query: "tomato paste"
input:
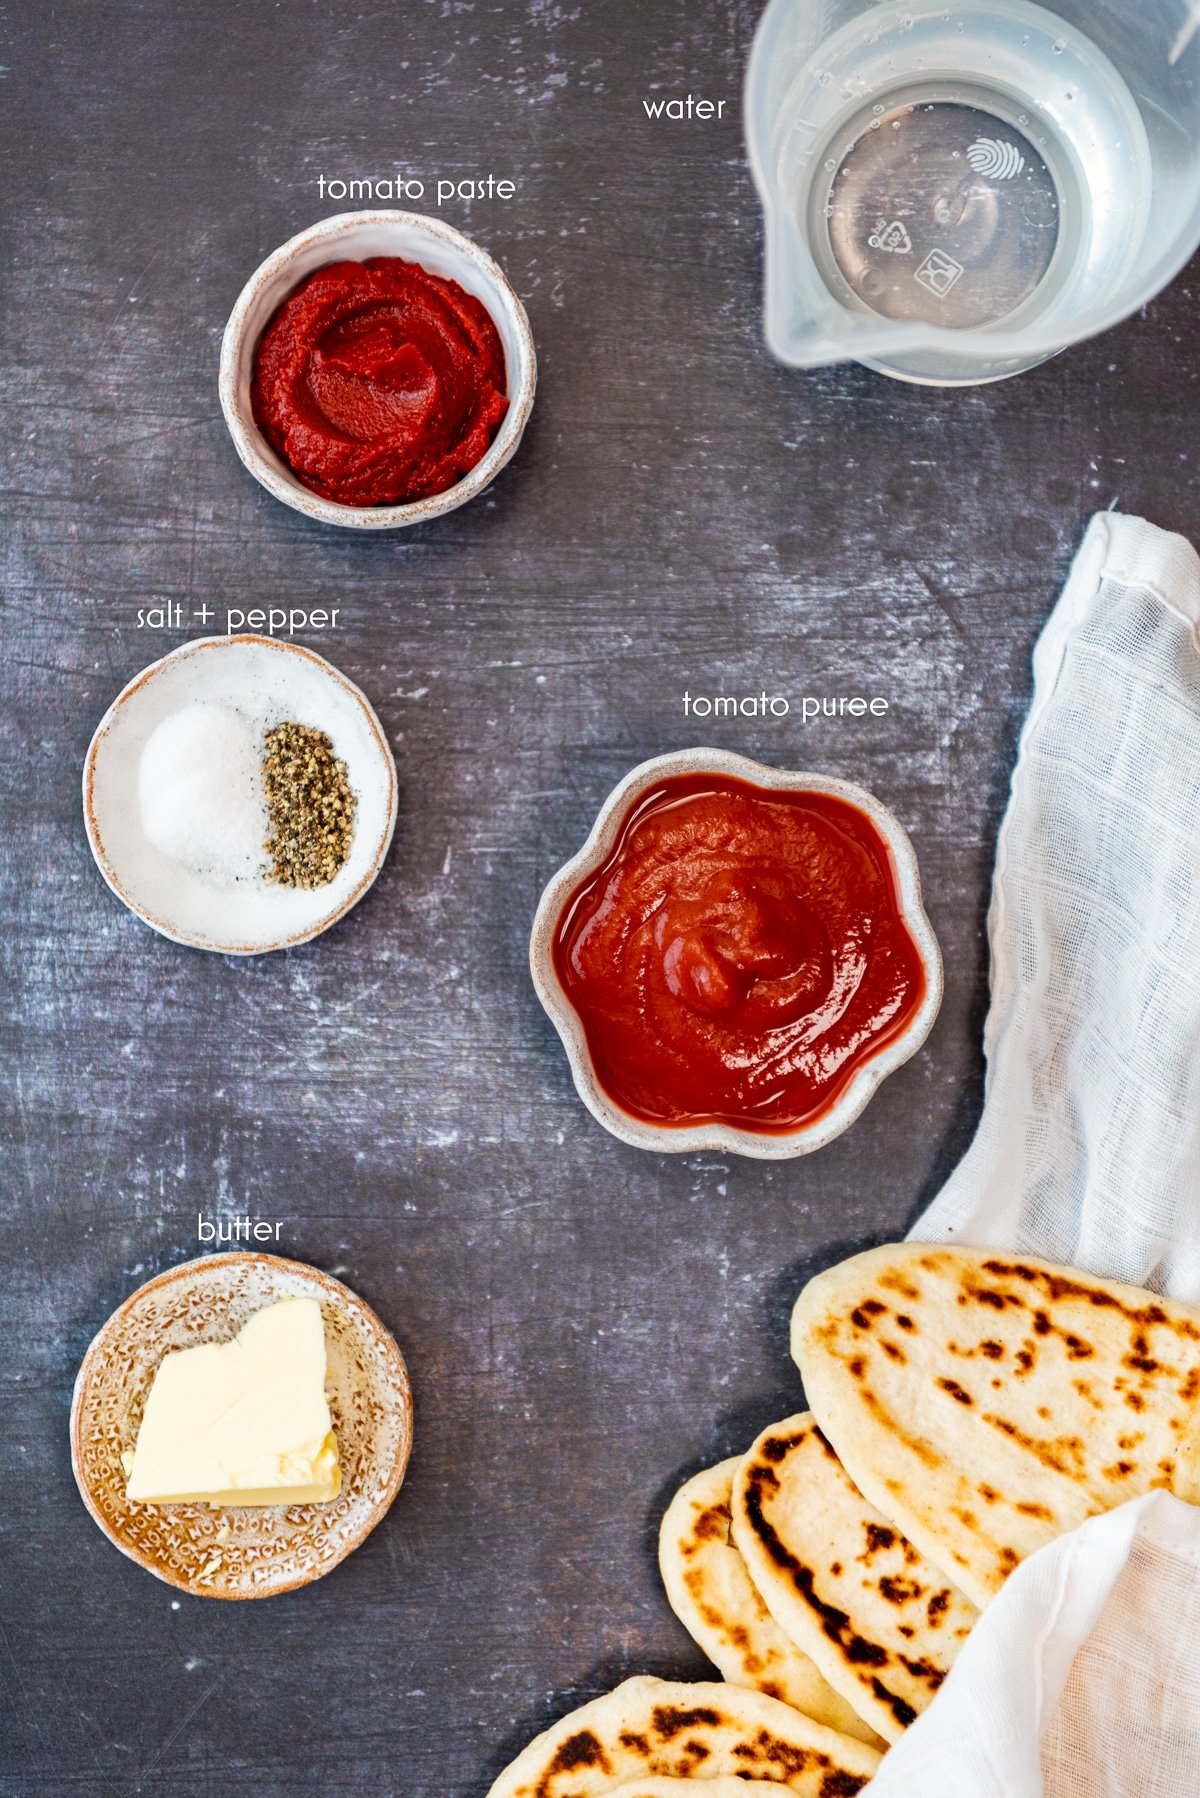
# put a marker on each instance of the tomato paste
(739, 955)
(379, 383)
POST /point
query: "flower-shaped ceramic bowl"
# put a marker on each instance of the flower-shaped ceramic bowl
(353, 237)
(266, 681)
(682, 1138)
(240, 1551)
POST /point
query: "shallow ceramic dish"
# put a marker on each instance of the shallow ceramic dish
(267, 681)
(353, 237)
(240, 1551)
(681, 1138)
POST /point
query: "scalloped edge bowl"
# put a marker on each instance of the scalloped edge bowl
(685, 1138)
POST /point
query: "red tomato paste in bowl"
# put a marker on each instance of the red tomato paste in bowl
(739, 955)
(379, 383)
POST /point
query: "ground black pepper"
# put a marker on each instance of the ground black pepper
(311, 805)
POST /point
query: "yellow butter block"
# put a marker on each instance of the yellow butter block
(243, 1422)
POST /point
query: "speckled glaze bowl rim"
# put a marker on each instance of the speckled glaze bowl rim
(339, 1294)
(182, 652)
(683, 1139)
(266, 467)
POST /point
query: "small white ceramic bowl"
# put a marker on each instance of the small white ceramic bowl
(353, 237)
(267, 681)
(680, 1139)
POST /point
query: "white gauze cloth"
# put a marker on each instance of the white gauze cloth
(1088, 1152)
(1082, 1678)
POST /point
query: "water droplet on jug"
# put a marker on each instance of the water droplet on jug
(1058, 46)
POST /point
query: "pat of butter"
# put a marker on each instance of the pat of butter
(243, 1422)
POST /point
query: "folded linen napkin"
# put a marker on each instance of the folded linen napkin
(1082, 1678)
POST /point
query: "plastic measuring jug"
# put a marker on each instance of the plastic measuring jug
(954, 193)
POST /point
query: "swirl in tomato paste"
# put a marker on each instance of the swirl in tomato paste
(739, 955)
(379, 383)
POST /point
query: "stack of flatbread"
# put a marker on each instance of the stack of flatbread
(966, 1408)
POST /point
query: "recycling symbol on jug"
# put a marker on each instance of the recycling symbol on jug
(893, 238)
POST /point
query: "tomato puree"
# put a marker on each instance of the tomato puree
(379, 383)
(739, 955)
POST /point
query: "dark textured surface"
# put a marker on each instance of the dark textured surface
(583, 1323)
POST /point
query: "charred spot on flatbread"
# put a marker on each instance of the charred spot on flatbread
(841, 1785)
(582, 1750)
(671, 1721)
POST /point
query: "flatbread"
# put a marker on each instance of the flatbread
(719, 1605)
(694, 1732)
(730, 1787)
(988, 1402)
(879, 1620)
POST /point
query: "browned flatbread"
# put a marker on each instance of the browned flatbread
(879, 1620)
(732, 1786)
(986, 1403)
(715, 1599)
(702, 1732)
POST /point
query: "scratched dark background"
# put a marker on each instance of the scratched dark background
(585, 1324)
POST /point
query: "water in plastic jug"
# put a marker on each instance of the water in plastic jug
(953, 194)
